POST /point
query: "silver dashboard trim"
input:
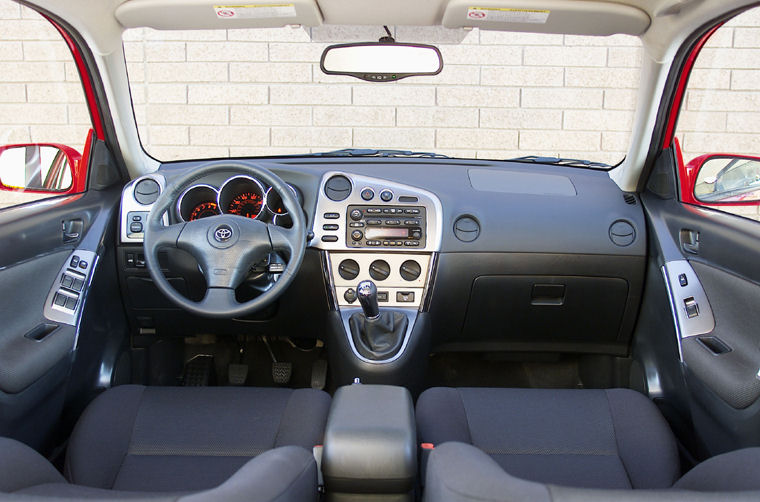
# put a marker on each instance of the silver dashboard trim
(129, 204)
(434, 211)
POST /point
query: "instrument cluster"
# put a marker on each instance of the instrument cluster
(241, 195)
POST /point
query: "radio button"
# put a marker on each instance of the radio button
(392, 222)
(368, 194)
(357, 235)
(356, 224)
(355, 214)
(374, 210)
(411, 222)
(374, 222)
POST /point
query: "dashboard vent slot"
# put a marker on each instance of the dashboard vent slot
(466, 228)
(338, 188)
(629, 199)
(146, 191)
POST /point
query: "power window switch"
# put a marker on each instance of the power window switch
(59, 300)
(71, 303)
(692, 307)
(67, 281)
(77, 285)
(683, 281)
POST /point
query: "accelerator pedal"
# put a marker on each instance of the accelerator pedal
(199, 371)
(319, 374)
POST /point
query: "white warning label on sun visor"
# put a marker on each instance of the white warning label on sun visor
(257, 11)
(494, 14)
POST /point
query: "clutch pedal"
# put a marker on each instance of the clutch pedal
(199, 371)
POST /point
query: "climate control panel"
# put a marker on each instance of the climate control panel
(400, 278)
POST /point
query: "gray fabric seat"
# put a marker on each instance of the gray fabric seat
(584, 438)
(459, 472)
(553, 445)
(171, 440)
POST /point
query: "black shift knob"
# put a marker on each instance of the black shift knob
(367, 293)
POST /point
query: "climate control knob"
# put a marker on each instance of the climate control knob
(410, 270)
(379, 270)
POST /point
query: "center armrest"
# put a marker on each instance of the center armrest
(370, 441)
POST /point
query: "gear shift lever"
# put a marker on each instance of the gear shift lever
(367, 293)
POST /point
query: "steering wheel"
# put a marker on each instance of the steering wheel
(225, 245)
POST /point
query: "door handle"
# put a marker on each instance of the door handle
(690, 241)
(72, 230)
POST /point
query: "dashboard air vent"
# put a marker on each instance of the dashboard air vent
(338, 188)
(622, 233)
(146, 191)
(466, 228)
(629, 198)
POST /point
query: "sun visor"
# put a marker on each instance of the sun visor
(547, 16)
(210, 14)
(383, 12)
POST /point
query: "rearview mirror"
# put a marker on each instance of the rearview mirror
(381, 61)
(45, 168)
(726, 179)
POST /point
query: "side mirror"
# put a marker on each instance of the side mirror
(40, 168)
(725, 179)
(381, 61)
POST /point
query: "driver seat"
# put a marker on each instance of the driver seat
(166, 441)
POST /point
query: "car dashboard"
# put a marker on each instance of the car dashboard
(480, 255)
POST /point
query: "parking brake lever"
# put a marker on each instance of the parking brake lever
(367, 293)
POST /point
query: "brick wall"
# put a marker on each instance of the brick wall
(260, 92)
(500, 95)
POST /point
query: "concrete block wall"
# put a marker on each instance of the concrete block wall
(218, 93)
(500, 95)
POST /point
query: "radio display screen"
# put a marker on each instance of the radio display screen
(386, 233)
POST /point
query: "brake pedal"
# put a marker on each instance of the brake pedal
(281, 371)
(199, 371)
(319, 374)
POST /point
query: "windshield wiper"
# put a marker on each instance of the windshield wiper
(558, 161)
(370, 152)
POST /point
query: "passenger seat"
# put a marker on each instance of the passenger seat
(529, 444)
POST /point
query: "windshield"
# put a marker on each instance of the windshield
(260, 92)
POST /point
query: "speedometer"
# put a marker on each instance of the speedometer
(246, 204)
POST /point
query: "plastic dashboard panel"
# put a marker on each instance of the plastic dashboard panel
(523, 232)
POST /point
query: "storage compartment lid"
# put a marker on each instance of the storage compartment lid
(370, 441)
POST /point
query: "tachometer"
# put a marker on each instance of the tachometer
(246, 204)
(203, 210)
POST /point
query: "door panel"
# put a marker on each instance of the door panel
(720, 363)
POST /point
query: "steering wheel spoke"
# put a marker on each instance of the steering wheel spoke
(165, 236)
(219, 300)
(283, 239)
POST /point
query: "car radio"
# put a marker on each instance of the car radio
(385, 226)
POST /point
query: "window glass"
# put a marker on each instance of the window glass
(41, 96)
(500, 95)
(720, 113)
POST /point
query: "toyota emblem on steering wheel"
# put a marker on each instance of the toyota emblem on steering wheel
(223, 233)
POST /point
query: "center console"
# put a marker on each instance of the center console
(385, 233)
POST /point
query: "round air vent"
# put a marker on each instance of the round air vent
(466, 228)
(146, 191)
(338, 188)
(410, 270)
(622, 233)
(348, 269)
(379, 270)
